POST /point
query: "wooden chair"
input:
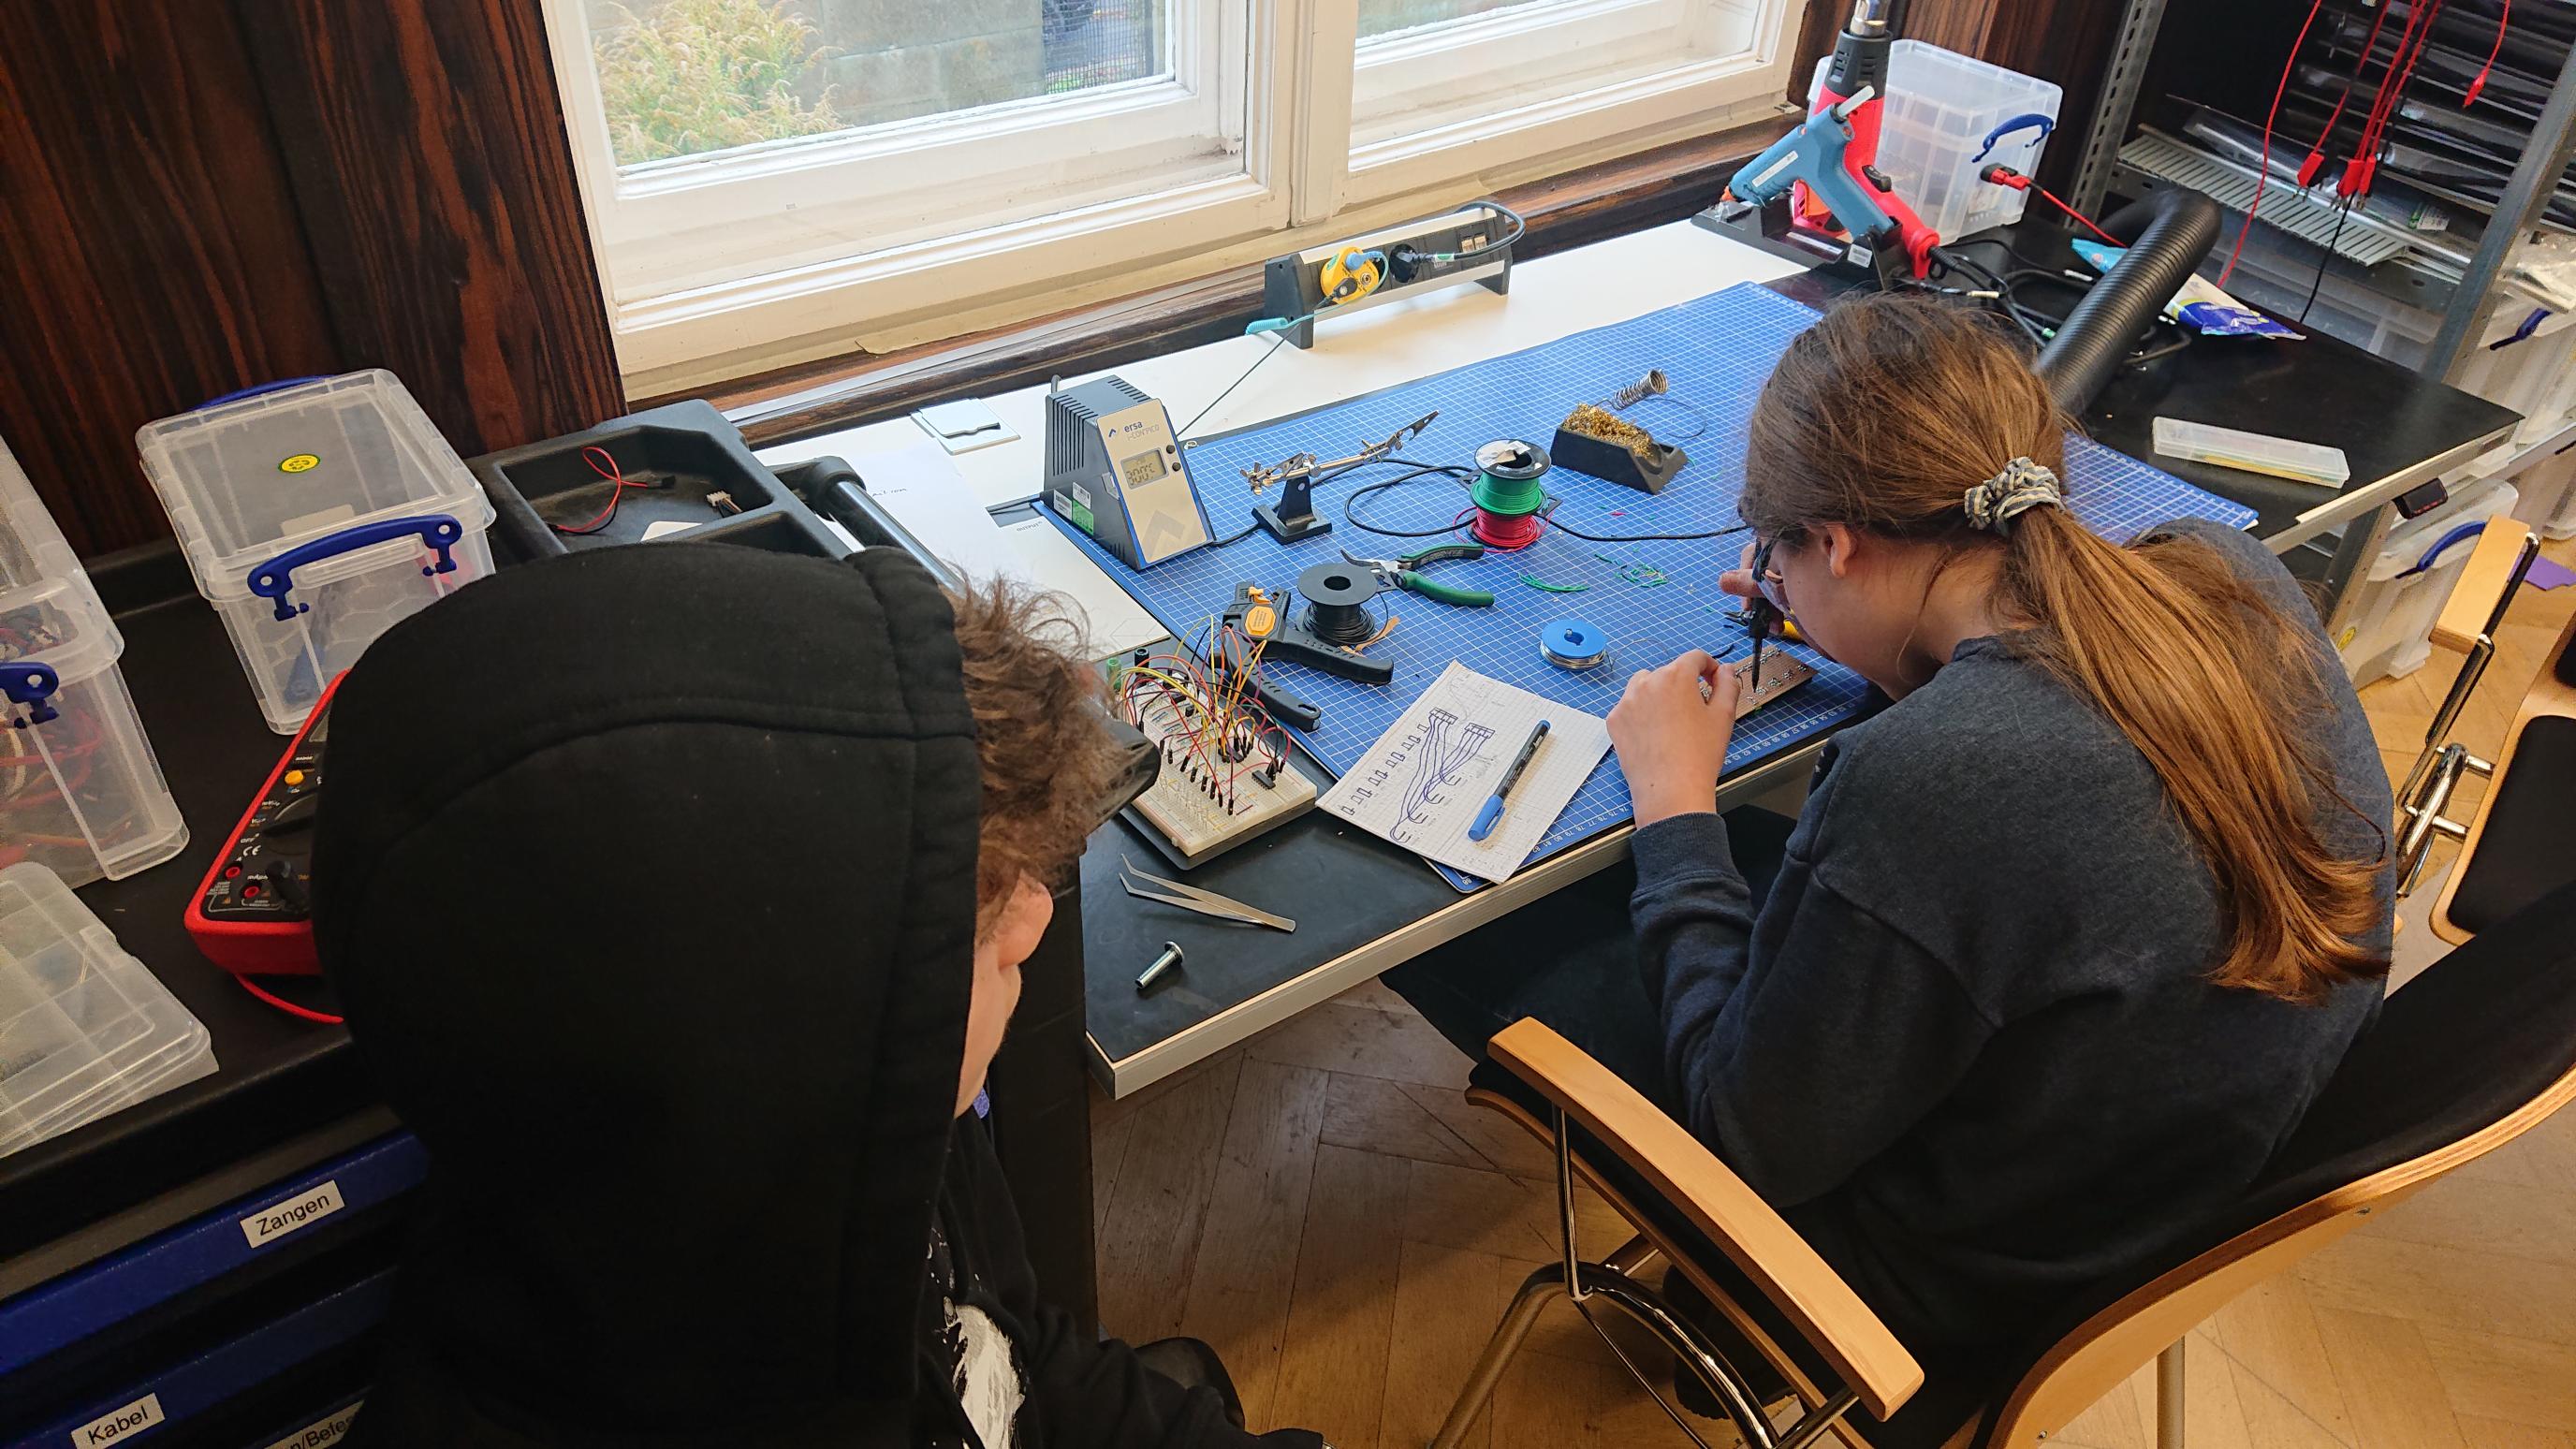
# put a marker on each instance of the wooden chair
(2461, 1061)
(2521, 842)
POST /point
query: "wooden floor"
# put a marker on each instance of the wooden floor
(1322, 1205)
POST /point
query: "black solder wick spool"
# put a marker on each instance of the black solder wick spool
(1337, 596)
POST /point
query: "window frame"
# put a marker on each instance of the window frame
(1295, 166)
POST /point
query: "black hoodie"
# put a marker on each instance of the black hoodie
(647, 879)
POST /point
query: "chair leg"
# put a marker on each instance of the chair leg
(1541, 1285)
(2169, 1381)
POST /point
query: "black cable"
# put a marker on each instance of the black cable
(1278, 340)
(1418, 471)
(1456, 474)
(1640, 537)
(1249, 529)
(2341, 211)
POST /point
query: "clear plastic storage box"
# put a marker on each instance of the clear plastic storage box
(84, 1028)
(2388, 631)
(314, 516)
(80, 792)
(2525, 362)
(1943, 109)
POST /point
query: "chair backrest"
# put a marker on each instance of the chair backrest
(2472, 1053)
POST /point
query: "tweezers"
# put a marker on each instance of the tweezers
(1206, 903)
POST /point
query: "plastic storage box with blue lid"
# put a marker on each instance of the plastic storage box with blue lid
(314, 515)
(80, 791)
(85, 1029)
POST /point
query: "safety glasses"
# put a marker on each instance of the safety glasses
(1775, 589)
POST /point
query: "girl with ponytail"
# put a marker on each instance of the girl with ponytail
(2063, 942)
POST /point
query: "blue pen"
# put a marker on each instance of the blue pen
(1493, 811)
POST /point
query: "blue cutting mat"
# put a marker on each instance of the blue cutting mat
(1717, 350)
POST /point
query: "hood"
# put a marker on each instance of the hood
(645, 877)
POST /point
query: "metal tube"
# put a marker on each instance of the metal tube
(2169, 1382)
(1565, 1209)
(1698, 1356)
(1541, 1285)
(2526, 196)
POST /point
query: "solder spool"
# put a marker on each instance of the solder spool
(1507, 493)
(1337, 596)
(1573, 644)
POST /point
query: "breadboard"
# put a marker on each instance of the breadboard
(1780, 674)
(1191, 826)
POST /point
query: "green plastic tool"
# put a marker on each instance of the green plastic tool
(1406, 573)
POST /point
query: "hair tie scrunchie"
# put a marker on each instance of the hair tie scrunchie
(2021, 486)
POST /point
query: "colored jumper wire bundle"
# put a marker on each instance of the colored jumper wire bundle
(1211, 728)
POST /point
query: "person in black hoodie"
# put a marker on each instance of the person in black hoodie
(673, 903)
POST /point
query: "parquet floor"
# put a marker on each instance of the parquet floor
(1322, 1205)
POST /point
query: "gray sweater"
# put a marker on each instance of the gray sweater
(1968, 1047)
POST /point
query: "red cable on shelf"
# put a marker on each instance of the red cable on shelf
(2263, 168)
(2364, 169)
(284, 1005)
(2317, 154)
(2480, 84)
(2090, 224)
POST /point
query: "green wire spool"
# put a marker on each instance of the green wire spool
(1507, 494)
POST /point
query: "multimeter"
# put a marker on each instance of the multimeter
(253, 913)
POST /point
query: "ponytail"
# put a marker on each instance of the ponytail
(2210, 683)
(1884, 413)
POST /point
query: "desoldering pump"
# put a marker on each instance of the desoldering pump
(1830, 159)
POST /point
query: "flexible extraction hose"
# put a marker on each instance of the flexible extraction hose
(2173, 231)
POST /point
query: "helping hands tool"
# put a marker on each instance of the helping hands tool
(1406, 573)
(1204, 902)
(1293, 517)
(1492, 814)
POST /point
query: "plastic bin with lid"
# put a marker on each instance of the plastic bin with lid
(85, 1029)
(2547, 482)
(2389, 630)
(1946, 118)
(80, 791)
(2525, 360)
(314, 515)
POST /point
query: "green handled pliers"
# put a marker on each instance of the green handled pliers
(1406, 573)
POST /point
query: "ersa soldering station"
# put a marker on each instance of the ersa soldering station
(1221, 703)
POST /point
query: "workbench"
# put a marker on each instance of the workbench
(1363, 906)
(290, 1098)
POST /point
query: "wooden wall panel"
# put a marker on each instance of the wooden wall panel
(199, 196)
(150, 256)
(2067, 42)
(427, 148)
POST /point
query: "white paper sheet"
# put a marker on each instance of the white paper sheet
(920, 485)
(1425, 779)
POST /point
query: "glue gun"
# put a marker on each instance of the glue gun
(1831, 158)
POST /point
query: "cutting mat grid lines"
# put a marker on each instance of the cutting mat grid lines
(1654, 600)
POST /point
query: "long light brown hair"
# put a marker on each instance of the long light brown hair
(1886, 412)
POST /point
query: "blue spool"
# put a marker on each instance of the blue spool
(1573, 644)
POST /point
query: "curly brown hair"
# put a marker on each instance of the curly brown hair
(1045, 744)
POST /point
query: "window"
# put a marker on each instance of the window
(765, 177)
(1448, 85)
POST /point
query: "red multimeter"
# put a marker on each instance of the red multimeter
(253, 913)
